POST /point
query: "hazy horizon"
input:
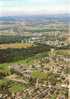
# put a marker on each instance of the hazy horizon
(33, 7)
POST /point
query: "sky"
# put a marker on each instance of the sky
(21, 7)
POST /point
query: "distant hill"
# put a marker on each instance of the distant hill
(64, 17)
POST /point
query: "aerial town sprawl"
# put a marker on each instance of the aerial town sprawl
(35, 57)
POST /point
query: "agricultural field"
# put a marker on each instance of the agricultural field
(15, 46)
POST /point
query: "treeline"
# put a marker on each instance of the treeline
(44, 30)
(9, 55)
(12, 39)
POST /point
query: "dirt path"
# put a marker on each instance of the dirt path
(14, 78)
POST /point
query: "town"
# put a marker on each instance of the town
(34, 57)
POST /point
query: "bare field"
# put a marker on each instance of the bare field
(15, 45)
